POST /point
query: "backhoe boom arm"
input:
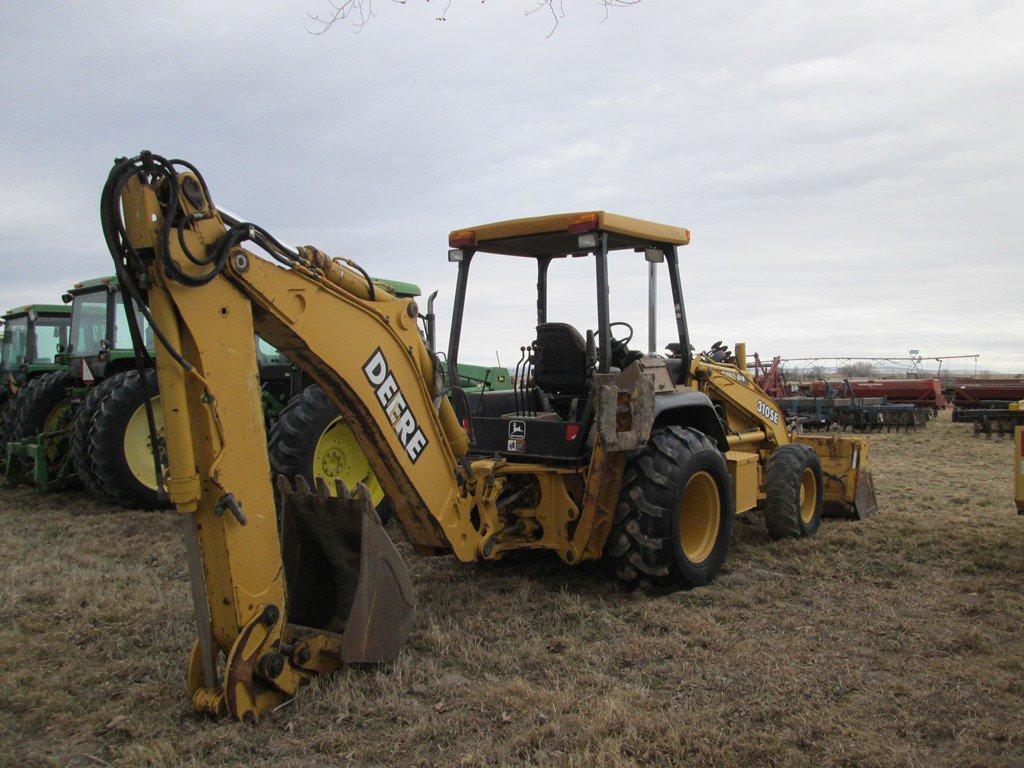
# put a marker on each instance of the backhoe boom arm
(269, 615)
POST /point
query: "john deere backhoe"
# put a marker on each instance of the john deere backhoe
(599, 450)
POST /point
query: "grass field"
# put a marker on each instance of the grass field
(894, 641)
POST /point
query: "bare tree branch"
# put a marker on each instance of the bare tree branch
(359, 12)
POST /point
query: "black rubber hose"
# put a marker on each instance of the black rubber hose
(369, 282)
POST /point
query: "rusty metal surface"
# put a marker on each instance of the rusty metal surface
(600, 495)
(625, 409)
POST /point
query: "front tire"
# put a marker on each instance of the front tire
(674, 520)
(311, 440)
(793, 485)
(43, 406)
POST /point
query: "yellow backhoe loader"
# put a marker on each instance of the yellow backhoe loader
(598, 451)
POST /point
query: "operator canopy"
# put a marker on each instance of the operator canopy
(557, 235)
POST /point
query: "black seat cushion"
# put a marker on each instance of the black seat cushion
(560, 359)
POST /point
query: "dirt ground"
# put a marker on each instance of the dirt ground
(894, 641)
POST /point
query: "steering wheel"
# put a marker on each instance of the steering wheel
(626, 340)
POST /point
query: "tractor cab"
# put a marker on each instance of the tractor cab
(34, 341)
(550, 410)
(100, 344)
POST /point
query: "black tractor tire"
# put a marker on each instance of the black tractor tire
(113, 414)
(653, 528)
(792, 471)
(294, 437)
(39, 399)
(81, 427)
(7, 418)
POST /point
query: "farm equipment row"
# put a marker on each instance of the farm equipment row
(921, 393)
(73, 398)
(857, 414)
(987, 404)
(841, 406)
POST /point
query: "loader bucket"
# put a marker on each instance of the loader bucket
(864, 501)
(343, 573)
(849, 487)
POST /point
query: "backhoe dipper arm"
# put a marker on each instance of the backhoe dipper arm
(340, 591)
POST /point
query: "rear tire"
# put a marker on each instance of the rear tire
(119, 443)
(675, 515)
(81, 427)
(310, 439)
(44, 401)
(793, 487)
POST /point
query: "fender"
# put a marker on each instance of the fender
(690, 409)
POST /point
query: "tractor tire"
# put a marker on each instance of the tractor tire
(44, 401)
(675, 514)
(119, 444)
(309, 439)
(793, 485)
(81, 427)
(7, 418)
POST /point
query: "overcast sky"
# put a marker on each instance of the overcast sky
(851, 172)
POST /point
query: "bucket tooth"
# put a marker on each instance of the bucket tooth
(343, 573)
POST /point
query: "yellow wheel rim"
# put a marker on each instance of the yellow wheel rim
(808, 495)
(337, 456)
(699, 517)
(51, 424)
(138, 449)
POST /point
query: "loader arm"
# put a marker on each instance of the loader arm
(755, 423)
(751, 415)
(267, 623)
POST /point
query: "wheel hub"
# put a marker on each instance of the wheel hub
(699, 517)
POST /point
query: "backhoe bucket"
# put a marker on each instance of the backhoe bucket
(343, 573)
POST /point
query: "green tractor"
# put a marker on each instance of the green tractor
(85, 422)
(35, 338)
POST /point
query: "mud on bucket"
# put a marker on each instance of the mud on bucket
(342, 572)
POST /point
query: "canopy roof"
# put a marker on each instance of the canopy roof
(56, 309)
(96, 282)
(558, 234)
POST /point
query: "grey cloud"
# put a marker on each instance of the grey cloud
(851, 173)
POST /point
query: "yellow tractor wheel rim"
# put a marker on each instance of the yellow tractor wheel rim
(138, 449)
(337, 456)
(50, 424)
(699, 517)
(808, 495)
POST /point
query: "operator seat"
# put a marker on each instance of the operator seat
(560, 360)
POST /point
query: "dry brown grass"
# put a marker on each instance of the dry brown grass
(896, 641)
